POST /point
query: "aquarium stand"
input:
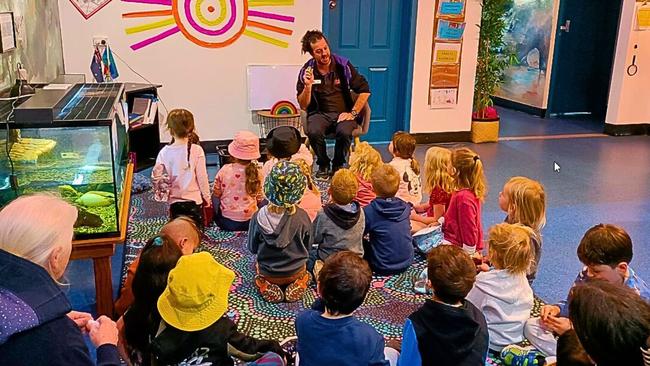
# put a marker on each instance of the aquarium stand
(102, 249)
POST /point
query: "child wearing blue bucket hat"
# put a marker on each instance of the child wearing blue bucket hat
(279, 234)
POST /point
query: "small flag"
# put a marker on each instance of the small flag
(96, 66)
(110, 68)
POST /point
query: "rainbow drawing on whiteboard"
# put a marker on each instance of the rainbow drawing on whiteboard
(212, 23)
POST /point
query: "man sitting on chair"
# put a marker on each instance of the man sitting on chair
(325, 86)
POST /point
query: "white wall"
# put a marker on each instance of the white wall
(629, 95)
(209, 82)
(459, 118)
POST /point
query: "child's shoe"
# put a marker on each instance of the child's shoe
(318, 265)
(420, 286)
(296, 290)
(514, 355)
(270, 292)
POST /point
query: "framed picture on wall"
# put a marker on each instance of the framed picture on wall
(7, 32)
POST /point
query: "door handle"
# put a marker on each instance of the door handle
(332, 4)
(566, 27)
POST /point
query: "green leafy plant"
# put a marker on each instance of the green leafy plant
(491, 59)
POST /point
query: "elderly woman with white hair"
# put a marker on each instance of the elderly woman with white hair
(37, 326)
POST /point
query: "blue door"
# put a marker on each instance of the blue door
(368, 32)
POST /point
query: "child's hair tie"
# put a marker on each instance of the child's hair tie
(476, 157)
(157, 241)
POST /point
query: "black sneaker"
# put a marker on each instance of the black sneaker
(323, 172)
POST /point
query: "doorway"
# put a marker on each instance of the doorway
(585, 47)
(376, 36)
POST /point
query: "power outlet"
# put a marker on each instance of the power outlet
(100, 41)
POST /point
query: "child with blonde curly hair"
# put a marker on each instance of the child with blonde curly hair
(462, 220)
(363, 163)
(503, 293)
(311, 200)
(439, 182)
(524, 200)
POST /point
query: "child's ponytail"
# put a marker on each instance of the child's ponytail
(192, 138)
(415, 166)
(253, 181)
(469, 172)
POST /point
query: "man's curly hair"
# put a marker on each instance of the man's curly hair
(310, 37)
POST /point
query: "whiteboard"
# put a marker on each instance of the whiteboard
(268, 84)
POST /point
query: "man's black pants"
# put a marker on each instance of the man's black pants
(321, 125)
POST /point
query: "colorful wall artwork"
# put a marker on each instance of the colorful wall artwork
(529, 24)
(212, 23)
(448, 30)
(88, 8)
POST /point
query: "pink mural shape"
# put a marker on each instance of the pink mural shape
(88, 8)
(209, 23)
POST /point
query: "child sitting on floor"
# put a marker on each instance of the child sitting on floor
(402, 148)
(284, 143)
(238, 186)
(447, 330)
(503, 293)
(363, 162)
(140, 322)
(606, 252)
(336, 337)
(195, 327)
(183, 233)
(340, 224)
(462, 220)
(180, 170)
(279, 235)
(439, 182)
(524, 200)
(311, 201)
(389, 249)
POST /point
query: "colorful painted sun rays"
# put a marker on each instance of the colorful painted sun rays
(212, 23)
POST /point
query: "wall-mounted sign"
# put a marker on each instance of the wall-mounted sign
(7, 32)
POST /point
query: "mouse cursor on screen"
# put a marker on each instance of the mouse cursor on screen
(556, 167)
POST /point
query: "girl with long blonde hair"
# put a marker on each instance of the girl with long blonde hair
(439, 182)
(524, 200)
(363, 163)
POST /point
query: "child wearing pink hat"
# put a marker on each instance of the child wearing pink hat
(238, 186)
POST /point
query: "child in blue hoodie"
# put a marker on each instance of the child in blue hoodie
(389, 249)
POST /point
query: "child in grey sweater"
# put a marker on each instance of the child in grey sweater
(340, 224)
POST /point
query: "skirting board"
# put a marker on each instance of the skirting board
(437, 137)
(627, 130)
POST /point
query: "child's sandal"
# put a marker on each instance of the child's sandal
(297, 289)
(270, 292)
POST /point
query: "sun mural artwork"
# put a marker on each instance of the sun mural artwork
(212, 23)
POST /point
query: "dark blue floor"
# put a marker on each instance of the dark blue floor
(602, 180)
(514, 124)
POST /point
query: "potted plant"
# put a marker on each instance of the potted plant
(489, 70)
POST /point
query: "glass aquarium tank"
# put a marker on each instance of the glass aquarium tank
(80, 155)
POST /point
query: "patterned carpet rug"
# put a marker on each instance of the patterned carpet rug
(390, 300)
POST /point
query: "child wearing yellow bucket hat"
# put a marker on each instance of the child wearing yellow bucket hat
(279, 234)
(195, 326)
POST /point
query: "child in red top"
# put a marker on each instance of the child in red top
(462, 221)
(439, 181)
(363, 161)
